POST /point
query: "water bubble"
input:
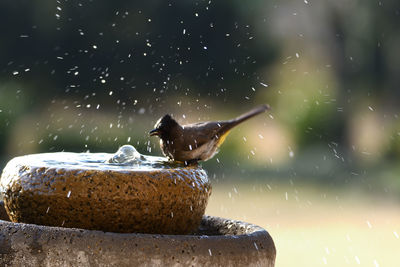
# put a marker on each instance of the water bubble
(125, 154)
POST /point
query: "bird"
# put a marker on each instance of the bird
(199, 141)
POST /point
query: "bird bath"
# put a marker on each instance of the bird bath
(126, 209)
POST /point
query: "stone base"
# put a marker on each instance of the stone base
(81, 190)
(218, 242)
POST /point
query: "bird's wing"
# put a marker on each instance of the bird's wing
(201, 133)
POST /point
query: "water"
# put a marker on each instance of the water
(125, 159)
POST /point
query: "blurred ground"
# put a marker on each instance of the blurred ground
(312, 226)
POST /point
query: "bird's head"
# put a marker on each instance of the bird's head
(165, 127)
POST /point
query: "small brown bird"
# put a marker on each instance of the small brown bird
(199, 141)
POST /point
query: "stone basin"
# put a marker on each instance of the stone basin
(216, 242)
(95, 191)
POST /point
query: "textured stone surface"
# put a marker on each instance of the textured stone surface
(218, 242)
(74, 190)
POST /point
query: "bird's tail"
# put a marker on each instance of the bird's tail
(255, 111)
(232, 123)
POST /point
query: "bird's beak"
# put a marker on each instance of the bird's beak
(154, 132)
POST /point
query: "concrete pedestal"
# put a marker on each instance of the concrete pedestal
(217, 242)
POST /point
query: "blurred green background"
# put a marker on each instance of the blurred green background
(95, 75)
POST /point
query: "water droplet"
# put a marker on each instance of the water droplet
(396, 234)
(255, 245)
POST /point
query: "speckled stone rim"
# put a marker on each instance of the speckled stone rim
(218, 242)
